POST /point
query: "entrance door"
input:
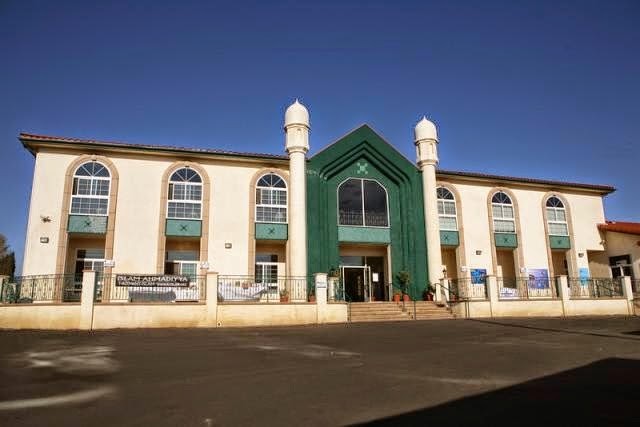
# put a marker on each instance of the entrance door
(357, 283)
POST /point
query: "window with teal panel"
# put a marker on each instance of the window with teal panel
(503, 213)
(446, 210)
(556, 217)
(184, 200)
(271, 199)
(362, 202)
(90, 191)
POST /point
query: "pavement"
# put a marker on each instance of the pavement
(579, 371)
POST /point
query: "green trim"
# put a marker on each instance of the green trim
(364, 154)
(449, 238)
(364, 234)
(506, 240)
(183, 228)
(87, 224)
(559, 242)
(271, 231)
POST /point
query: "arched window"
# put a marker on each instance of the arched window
(90, 192)
(447, 210)
(271, 199)
(362, 202)
(503, 213)
(185, 195)
(556, 217)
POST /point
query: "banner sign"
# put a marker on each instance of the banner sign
(152, 280)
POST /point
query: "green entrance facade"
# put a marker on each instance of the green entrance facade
(364, 157)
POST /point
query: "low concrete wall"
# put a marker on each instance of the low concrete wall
(40, 316)
(109, 316)
(472, 309)
(528, 308)
(542, 308)
(336, 313)
(596, 307)
(266, 314)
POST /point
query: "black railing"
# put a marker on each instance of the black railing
(248, 289)
(107, 290)
(524, 288)
(635, 288)
(369, 219)
(465, 288)
(52, 288)
(336, 291)
(595, 287)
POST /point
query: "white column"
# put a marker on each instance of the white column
(627, 292)
(321, 297)
(434, 254)
(426, 141)
(492, 291)
(296, 128)
(212, 299)
(565, 295)
(86, 299)
(298, 214)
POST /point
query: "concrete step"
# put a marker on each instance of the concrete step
(382, 311)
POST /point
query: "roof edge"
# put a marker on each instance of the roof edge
(32, 141)
(598, 188)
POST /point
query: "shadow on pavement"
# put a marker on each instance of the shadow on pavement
(602, 393)
(564, 331)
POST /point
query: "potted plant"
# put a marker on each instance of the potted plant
(404, 278)
(333, 272)
(396, 296)
(428, 293)
(312, 295)
(284, 295)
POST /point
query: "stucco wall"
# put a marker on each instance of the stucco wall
(137, 212)
(109, 316)
(266, 315)
(46, 201)
(586, 212)
(40, 316)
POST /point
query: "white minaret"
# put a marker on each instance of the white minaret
(296, 129)
(426, 140)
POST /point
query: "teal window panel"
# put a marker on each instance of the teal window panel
(271, 231)
(364, 234)
(559, 242)
(88, 224)
(506, 240)
(449, 238)
(183, 228)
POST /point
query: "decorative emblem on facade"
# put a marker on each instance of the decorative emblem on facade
(362, 168)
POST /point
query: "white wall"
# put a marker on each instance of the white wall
(46, 200)
(586, 209)
(137, 212)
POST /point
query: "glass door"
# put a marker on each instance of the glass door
(357, 283)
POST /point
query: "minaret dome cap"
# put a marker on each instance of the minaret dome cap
(296, 114)
(425, 129)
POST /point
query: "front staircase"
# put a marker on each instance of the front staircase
(383, 311)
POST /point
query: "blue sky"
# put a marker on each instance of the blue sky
(535, 89)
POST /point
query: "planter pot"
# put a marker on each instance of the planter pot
(312, 298)
(406, 298)
(429, 297)
(284, 299)
(396, 298)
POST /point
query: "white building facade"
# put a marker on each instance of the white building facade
(357, 210)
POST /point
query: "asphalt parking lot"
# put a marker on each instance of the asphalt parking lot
(583, 371)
